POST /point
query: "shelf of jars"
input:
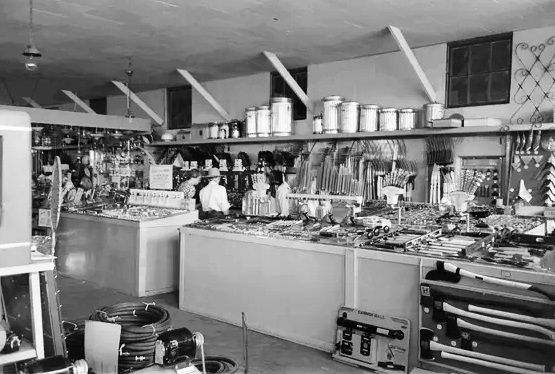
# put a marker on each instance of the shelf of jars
(414, 133)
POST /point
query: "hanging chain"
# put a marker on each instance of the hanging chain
(129, 74)
(31, 22)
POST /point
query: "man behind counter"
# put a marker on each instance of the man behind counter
(213, 197)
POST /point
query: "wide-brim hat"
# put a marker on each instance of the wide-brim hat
(213, 173)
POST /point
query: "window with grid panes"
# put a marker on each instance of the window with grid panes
(280, 88)
(479, 71)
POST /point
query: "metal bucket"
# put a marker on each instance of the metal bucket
(407, 119)
(432, 111)
(250, 122)
(349, 117)
(369, 118)
(282, 115)
(331, 115)
(388, 119)
(317, 124)
(263, 121)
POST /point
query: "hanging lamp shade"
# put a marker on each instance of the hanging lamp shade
(31, 51)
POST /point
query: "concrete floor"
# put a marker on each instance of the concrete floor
(266, 354)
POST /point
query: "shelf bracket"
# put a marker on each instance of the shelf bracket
(404, 46)
(205, 94)
(288, 78)
(137, 100)
(32, 103)
(79, 102)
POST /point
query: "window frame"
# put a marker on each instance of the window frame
(473, 42)
(294, 73)
(170, 91)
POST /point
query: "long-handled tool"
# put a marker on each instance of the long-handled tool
(491, 365)
(428, 346)
(514, 316)
(546, 290)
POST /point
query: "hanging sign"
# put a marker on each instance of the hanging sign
(161, 177)
(44, 217)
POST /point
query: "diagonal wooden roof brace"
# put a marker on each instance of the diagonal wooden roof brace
(32, 103)
(204, 93)
(291, 82)
(404, 46)
(78, 101)
(137, 100)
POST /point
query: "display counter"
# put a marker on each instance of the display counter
(293, 289)
(132, 255)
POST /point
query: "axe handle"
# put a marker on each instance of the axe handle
(491, 365)
(501, 282)
(497, 321)
(481, 356)
(523, 338)
(550, 323)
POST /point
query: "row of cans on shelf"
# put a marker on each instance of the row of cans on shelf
(338, 116)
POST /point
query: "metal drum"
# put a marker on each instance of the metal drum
(282, 116)
(263, 121)
(250, 122)
(317, 124)
(369, 118)
(349, 117)
(331, 115)
(388, 119)
(407, 119)
(432, 111)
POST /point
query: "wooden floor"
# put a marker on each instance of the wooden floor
(266, 354)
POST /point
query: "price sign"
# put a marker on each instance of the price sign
(44, 217)
(161, 177)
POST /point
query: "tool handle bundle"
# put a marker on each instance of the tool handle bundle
(398, 178)
(141, 323)
(465, 180)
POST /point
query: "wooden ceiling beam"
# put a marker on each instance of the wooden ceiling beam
(291, 82)
(137, 100)
(205, 94)
(404, 46)
(32, 102)
(79, 102)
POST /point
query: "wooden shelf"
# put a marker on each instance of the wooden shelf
(32, 267)
(67, 147)
(417, 133)
(26, 352)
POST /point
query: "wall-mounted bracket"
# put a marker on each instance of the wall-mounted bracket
(205, 94)
(291, 82)
(404, 46)
(79, 102)
(137, 100)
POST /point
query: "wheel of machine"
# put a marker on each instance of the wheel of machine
(386, 229)
(369, 234)
(377, 231)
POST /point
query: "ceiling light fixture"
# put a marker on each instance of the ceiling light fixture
(129, 115)
(31, 52)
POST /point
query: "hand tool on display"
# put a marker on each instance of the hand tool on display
(428, 346)
(516, 158)
(536, 148)
(547, 322)
(546, 290)
(456, 323)
(491, 365)
(446, 308)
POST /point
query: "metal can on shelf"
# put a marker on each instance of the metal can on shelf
(213, 131)
(349, 117)
(250, 122)
(263, 121)
(369, 117)
(331, 115)
(407, 119)
(281, 109)
(317, 124)
(432, 111)
(388, 119)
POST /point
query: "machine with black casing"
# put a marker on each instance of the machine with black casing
(372, 340)
(175, 346)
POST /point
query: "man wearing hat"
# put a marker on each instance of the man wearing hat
(213, 197)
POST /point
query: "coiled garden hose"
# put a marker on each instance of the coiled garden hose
(217, 365)
(141, 323)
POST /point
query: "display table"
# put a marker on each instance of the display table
(293, 289)
(139, 258)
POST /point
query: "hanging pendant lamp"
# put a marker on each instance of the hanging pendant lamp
(31, 52)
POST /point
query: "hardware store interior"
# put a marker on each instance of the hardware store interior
(284, 186)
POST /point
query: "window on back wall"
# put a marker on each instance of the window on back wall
(280, 88)
(180, 107)
(479, 71)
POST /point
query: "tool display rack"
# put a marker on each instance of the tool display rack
(36, 349)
